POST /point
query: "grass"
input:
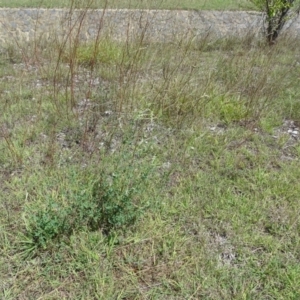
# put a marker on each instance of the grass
(149, 171)
(150, 4)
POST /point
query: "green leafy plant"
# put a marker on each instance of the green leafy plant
(233, 110)
(105, 51)
(48, 224)
(114, 204)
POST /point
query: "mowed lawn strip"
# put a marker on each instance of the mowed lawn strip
(150, 4)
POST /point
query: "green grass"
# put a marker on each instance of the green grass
(150, 4)
(149, 171)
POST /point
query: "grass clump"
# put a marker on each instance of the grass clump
(105, 52)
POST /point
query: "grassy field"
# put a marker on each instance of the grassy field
(149, 4)
(150, 171)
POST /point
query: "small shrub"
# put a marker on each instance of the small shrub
(107, 204)
(277, 13)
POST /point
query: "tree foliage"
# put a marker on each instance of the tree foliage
(277, 13)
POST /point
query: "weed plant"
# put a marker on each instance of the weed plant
(137, 170)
